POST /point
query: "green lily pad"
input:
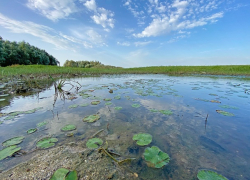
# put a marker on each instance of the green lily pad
(95, 102)
(136, 105)
(84, 104)
(46, 142)
(205, 100)
(91, 118)
(30, 131)
(85, 96)
(69, 127)
(155, 157)
(8, 151)
(142, 139)
(108, 103)
(118, 108)
(94, 143)
(228, 107)
(42, 124)
(215, 101)
(224, 113)
(72, 175)
(117, 97)
(73, 106)
(167, 112)
(107, 99)
(60, 174)
(13, 141)
(209, 175)
(154, 110)
(213, 94)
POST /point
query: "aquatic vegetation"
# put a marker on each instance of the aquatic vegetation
(46, 142)
(73, 106)
(30, 131)
(108, 103)
(13, 141)
(91, 118)
(155, 157)
(8, 151)
(95, 102)
(241, 96)
(72, 175)
(136, 105)
(224, 113)
(166, 112)
(9, 117)
(107, 99)
(85, 96)
(117, 97)
(118, 108)
(215, 101)
(154, 110)
(69, 127)
(42, 124)
(142, 139)
(1, 122)
(59, 174)
(213, 94)
(94, 143)
(205, 100)
(84, 104)
(209, 175)
(228, 107)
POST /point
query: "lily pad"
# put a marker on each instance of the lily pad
(9, 118)
(205, 100)
(94, 143)
(46, 142)
(117, 97)
(225, 113)
(228, 107)
(95, 102)
(213, 94)
(72, 175)
(107, 99)
(13, 141)
(215, 101)
(154, 110)
(167, 112)
(42, 124)
(60, 174)
(209, 175)
(91, 118)
(1, 122)
(155, 157)
(108, 103)
(84, 104)
(30, 131)
(118, 108)
(142, 139)
(136, 105)
(9, 151)
(73, 106)
(69, 127)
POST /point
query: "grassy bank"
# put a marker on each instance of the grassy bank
(41, 70)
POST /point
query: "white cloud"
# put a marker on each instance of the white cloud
(53, 9)
(181, 15)
(101, 15)
(123, 43)
(142, 43)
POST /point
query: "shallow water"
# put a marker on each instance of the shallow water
(195, 136)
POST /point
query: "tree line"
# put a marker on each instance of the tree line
(24, 54)
(85, 64)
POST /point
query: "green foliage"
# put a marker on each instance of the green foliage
(69, 127)
(136, 105)
(95, 102)
(9, 151)
(167, 112)
(23, 53)
(46, 142)
(30, 131)
(59, 174)
(42, 124)
(13, 141)
(118, 108)
(142, 139)
(94, 143)
(225, 113)
(155, 157)
(91, 118)
(85, 64)
(209, 175)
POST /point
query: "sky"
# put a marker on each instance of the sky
(133, 33)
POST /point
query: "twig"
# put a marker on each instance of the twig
(97, 133)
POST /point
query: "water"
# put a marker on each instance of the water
(195, 136)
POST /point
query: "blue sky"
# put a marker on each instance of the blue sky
(133, 33)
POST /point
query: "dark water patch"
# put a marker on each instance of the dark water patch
(211, 145)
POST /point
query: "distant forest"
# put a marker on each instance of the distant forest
(24, 54)
(85, 64)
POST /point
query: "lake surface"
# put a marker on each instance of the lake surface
(195, 135)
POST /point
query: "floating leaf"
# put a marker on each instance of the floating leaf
(9, 118)
(91, 118)
(155, 157)
(205, 100)
(107, 99)
(142, 139)
(60, 174)
(228, 107)
(95, 102)
(46, 142)
(167, 112)
(13, 141)
(209, 175)
(117, 97)
(29, 111)
(72, 175)
(9, 151)
(118, 108)
(85, 96)
(84, 104)
(224, 113)
(1, 122)
(154, 110)
(136, 105)
(69, 127)
(215, 101)
(32, 130)
(108, 103)
(42, 124)
(94, 143)
(73, 106)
